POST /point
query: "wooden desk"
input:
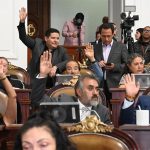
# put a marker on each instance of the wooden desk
(23, 97)
(118, 95)
(141, 134)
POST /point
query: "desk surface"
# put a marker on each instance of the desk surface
(141, 134)
(134, 127)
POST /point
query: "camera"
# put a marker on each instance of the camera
(126, 25)
(78, 20)
(128, 22)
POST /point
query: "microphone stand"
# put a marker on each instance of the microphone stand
(87, 109)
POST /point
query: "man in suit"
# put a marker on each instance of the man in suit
(38, 46)
(130, 104)
(86, 89)
(111, 56)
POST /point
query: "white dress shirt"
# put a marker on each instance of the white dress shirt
(84, 111)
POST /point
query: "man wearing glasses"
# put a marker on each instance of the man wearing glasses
(142, 46)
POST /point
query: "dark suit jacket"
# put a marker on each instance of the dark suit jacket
(38, 95)
(128, 115)
(118, 56)
(37, 46)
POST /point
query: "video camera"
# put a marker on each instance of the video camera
(126, 25)
(128, 22)
(78, 20)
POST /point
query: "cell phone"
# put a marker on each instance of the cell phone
(108, 64)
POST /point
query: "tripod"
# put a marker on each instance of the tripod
(128, 40)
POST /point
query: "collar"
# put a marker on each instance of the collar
(108, 44)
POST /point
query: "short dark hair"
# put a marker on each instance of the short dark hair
(5, 59)
(73, 61)
(51, 30)
(106, 26)
(40, 119)
(79, 83)
(105, 19)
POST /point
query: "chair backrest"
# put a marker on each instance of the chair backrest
(69, 90)
(20, 73)
(93, 134)
(96, 141)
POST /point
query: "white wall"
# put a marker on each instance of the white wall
(61, 10)
(93, 10)
(10, 46)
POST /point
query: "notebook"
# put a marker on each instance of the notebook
(143, 79)
(63, 112)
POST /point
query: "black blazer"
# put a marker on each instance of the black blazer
(37, 46)
(118, 56)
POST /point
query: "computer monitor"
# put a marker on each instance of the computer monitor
(63, 78)
(63, 112)
(143, 79)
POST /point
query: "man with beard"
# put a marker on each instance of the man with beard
(86, 89)
(142, 46)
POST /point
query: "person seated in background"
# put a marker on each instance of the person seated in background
(97, 38)
(72, 67)
(8, 105)
(16, 83)
(86, 89)
(74, 31)
(41, 131)
(135, 65)
(138, 33)
(130, 103)
(38, 46)
(142, 46)
(105, 19)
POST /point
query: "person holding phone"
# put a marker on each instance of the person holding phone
(111, 56)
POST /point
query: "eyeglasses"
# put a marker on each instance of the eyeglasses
(146, 30)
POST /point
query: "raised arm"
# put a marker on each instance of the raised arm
(11, 110)
(29, 42)
(39, 84)
(89, 53)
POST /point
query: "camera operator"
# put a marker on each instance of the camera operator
(126, 25)
(74, 31)
(142, 46)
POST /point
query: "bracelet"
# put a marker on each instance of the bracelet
(1, 79)
(129, 98)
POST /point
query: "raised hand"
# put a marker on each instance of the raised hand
(45, 63)
(89, 52)
(22, 14)
(131, 87)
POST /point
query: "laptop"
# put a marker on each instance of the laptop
(143, 79)
(63, 112)
(63, 78)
